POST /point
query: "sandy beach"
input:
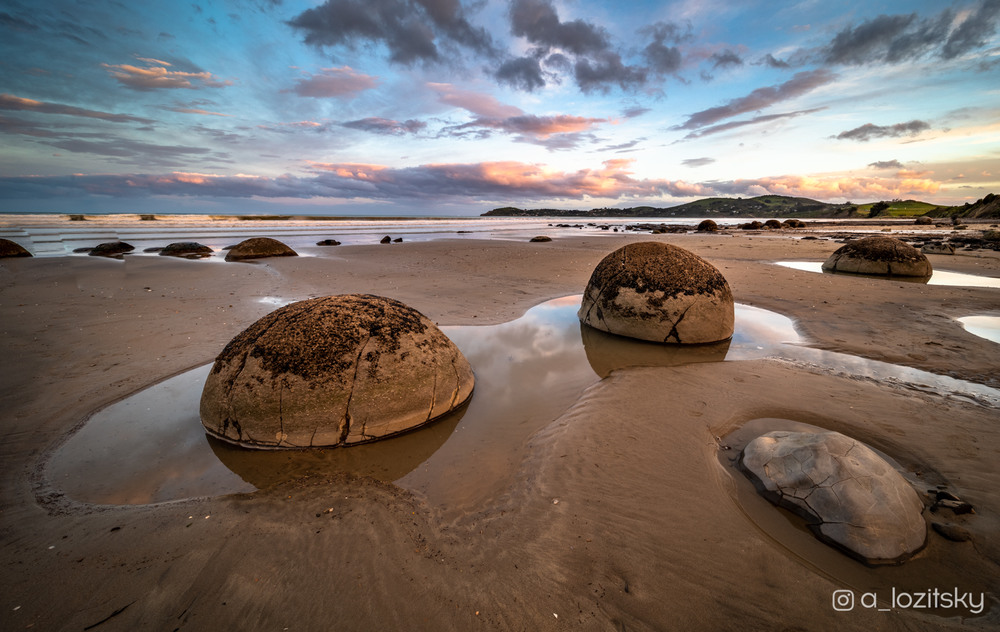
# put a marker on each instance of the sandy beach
(622, 511)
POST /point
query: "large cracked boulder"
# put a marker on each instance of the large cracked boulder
(850, 495)
(661, 293)
(333, 371)
(10, 248)
(259, 248)
(880, 255)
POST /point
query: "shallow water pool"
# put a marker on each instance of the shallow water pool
(151, 447)
(938, 277)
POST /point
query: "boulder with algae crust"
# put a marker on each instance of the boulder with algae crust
(259, 248)
(851, 496)
(879, 255)
(661, 293)
(333, 371)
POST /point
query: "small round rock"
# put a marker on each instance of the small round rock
(259, 248)
(333, 371)
(880, 255)
(661, 293)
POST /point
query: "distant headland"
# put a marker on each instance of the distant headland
(776, 206)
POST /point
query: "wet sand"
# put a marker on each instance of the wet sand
(622, 512)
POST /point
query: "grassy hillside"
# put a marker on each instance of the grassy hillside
(986, 208)
(899, 208)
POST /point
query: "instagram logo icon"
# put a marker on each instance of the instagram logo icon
(843, 600)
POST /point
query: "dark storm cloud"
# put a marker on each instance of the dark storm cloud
(975, 31)
(538, 22)
(726, 58)
(606, 70)
(376, 125)
(869, 131)
(575, 46)
(765, 118)
(760, 98)
(521, 73)
(898, 38)
(771, 61)
(11, 102)
(411, 29)
(886, 164)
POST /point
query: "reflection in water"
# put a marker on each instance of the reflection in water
(939, 277)
(151, 447)
(983, 326)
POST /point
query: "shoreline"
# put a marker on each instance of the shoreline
(645, 533)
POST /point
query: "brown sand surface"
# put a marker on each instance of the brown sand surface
(623, 515)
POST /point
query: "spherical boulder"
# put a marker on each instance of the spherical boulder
(850, 495)
(10, 248)
(707, 226)
(113, 249)
(185, 249)
(659, 292)
(879, 255)
(259, 248)
(333, 371)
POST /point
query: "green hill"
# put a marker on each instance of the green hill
(761, 206)
(986, 208)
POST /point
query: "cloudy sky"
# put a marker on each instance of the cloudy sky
(452, 107)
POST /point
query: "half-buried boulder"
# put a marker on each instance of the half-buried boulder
(259, 248)
(333, 371)
(880, 255)
(851, 496)
(659, 292)
(186, 249)
(10, 248)
(707, 226)
(112, 249)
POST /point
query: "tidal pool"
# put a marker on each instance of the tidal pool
(983, 326)
(938, 277)
(151, 447)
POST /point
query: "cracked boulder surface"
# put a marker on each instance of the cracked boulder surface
(880, 255)
(851, 496)
(333, 371)
(661, 293)
(259, 248)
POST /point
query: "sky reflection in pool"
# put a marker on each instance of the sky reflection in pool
(983, 326)
(939, 277)
(151, 447)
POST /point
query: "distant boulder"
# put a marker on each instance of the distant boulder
(879, 255)
(850, 495)
(772, 224)
(923, 220)
(386, 240)
(259, 248)
(754, 225)
(540, 238)
(10, 248)
(938, 248)
(707, 226)
(186, 249)
(793, 223)
(333, 371)
(328, 242)
(659, 292)
(113, 249)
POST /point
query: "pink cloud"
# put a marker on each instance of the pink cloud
(156, 76)
(335, 83)
(477, 103)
